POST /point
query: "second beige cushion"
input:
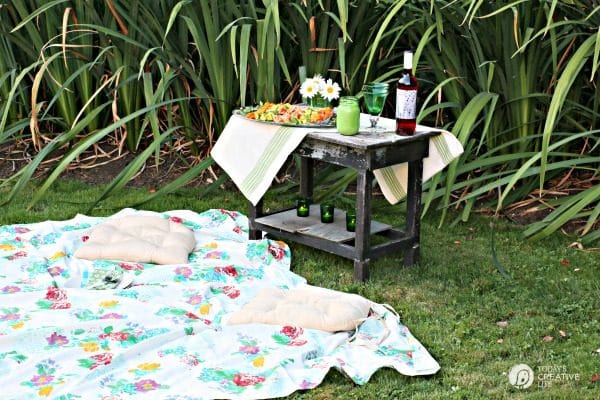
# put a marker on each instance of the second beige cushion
(306, 306)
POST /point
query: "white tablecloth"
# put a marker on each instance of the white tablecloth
(252, 153)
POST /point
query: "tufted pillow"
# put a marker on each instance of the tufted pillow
(306, 306)
(140, 239)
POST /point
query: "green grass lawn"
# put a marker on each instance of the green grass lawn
(453, 301)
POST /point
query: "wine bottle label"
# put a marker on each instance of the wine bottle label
(406, 104)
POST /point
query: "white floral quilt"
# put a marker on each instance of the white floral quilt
(78, 329)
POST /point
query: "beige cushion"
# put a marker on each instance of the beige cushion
(141, 239)
(306, 306)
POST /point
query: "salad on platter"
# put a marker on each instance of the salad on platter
(290, 114)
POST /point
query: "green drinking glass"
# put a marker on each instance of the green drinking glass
(327, 212)
(302, 206)
(351, 221)
(375, 94)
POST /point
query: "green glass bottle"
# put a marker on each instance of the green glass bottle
(348, 116)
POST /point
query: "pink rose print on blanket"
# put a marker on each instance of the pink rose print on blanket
(191, 315)
(277, 252)
(101, 359)
(231, 292)
(292, 331)
(56, 294)
(231, 214)
(290, 336)
(96, 360)
(228, 270)
(117, 336)
(247, 379)
(58, 298)
(191, 360)
(131, 267)
(17, 255)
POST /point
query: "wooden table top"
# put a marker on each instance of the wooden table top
(368, 140)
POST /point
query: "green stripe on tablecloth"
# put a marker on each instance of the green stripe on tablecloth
(442, 148)
(274, 147)
(392, 184)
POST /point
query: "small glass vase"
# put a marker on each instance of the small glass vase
(319, 101)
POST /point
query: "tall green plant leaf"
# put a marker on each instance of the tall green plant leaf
(568, 77)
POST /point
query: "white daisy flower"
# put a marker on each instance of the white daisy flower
(309, 89)
(318, 81)
(331, 90)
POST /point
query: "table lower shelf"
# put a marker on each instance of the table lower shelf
(288, 221)
(333, 237)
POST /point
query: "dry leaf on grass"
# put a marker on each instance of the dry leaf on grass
(548, 338)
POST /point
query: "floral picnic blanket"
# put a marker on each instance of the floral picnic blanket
(73, 328)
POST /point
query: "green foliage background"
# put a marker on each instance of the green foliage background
(515, 81)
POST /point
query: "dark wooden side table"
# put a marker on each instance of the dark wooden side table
(365, 153)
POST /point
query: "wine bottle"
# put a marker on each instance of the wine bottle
(406, 99)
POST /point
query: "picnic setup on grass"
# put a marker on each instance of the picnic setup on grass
(202, 304)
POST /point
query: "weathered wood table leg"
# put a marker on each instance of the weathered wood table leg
(306, 177)
(254, 211)
(413, 211)
(363, 225)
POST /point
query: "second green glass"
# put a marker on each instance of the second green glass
(351, 221)
(375, 94)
